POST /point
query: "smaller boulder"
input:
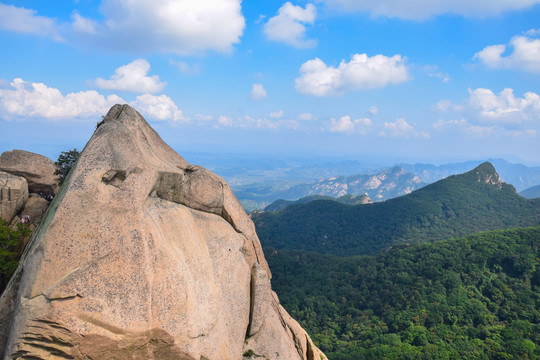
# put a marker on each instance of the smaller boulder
(35, 207)
(13, 195)
(38, 170)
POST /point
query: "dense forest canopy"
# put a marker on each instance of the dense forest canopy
(476, 297)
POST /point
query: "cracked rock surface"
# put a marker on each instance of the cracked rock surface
(144, 256)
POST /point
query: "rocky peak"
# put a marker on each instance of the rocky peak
(486, 173)
(144, 256)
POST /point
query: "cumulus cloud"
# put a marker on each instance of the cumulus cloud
(504, 108)
(26, 21)
(258, 92)
(347, 125)
(401, 128)
(132, 77)
(485, 113)
(170, 26)
(288, 25)
(23, 100)
(424, 9)
(525, 55)
(362, 72)
(161, 108)
(36, 100)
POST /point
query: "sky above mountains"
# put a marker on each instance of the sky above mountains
(430, 80)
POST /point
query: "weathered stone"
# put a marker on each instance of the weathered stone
(37, 169)
(35, 207)
(143, 256)
(13, 195)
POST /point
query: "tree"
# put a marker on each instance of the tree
(65, 162)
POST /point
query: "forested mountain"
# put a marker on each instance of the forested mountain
(519, 175)
(458, 205)
(345, 199)
(531, 193)
(476, 297)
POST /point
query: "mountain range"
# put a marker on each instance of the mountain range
(458, 205)
(383, 185)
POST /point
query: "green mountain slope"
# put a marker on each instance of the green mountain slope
(456, 206)
(476, 297)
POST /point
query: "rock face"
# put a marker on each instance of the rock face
(37, 169)
(143, 256)
(13, 195)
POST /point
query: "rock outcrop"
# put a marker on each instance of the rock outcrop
(37, 169)
(13, 195)
(144, 256)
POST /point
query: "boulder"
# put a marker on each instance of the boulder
(13, 195)
(37, 169)
(35, 206)
(144, 256)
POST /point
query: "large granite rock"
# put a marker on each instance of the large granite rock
(143, 256)
(37, 169)
(13, 195)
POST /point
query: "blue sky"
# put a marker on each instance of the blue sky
(425, 80)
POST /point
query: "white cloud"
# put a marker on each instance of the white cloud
(485, 113)
(203, 117)
(305, 117)
(316, 78)
(225, 120)
(504, 108)
(185, 68)
(24, 99)
(525, 55)
(533, 32)
(424, 9)
(288, 25)
(36, 100)
(481, 131)
(276, 114)
(373, 110)
(258, 92)
(161, 108)
(170, 26)
(434, 72)
(26, 21)
(132, 77)
(446, 105)
(401, 128)
(84, 25)
(346, 125)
